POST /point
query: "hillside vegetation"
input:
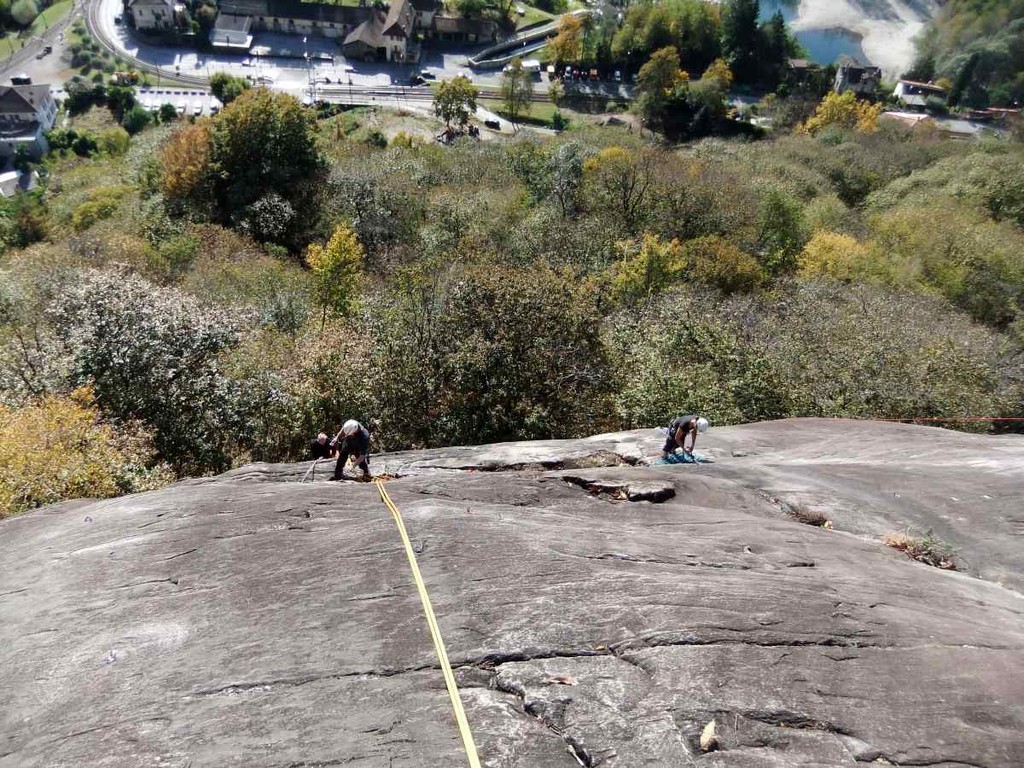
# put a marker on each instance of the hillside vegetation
(978, 46)
(221, 310)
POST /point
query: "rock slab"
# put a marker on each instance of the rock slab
(251, 620)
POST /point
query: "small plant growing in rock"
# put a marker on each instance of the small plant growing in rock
(807, 516)
(928, 549)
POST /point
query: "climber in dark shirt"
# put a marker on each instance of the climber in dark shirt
(681, 426)
(320, 448)
(355, 442)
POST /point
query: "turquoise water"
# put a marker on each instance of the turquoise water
(823, 46)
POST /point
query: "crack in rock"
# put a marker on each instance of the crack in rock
(652, 491)
(550, 715)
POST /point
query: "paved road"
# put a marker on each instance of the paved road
(41, 70)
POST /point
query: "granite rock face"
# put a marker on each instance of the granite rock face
(599, 611)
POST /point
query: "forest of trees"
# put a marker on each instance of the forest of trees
(199, 295)
(700, 33)
(977, 46)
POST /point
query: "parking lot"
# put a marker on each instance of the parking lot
(186, 102)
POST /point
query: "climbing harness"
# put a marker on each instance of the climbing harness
(435, 632)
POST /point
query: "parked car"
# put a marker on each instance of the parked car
(494, 125)
(118, 19)
(426, 74)
(417, 80)
(618, 75)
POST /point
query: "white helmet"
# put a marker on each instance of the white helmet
(350, 427)
(702, 424)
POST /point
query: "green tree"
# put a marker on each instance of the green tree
(24, 12)
(516, 90)
(337, 271)
(566, 47)
(168, 112)
(782, 234)
(963, 80)
(114, 141)
(120, 99)
(556, 91)
(656, 82)
(455, 101)
(227, 87)
(775, 49)
(740, 37)
(135, 119)
(264, 142)
(470, 8)
(545, 321)
(647, 270)
(619, 183)
(565, 169)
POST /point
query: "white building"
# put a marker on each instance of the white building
(916, 95)
(26, 113)
(232, 31)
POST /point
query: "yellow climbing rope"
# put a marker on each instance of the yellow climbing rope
(435, 632)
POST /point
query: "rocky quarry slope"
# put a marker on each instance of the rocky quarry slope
(886, 28)
(598, 611)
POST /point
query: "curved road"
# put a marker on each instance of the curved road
(51, 36)
(286, 74)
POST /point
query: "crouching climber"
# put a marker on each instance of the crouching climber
(320, 448)
(678, 429)
(354, 443)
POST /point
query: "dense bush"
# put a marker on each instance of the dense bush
(58, 447)
(809, 349)
(489, 354)
(151, 354)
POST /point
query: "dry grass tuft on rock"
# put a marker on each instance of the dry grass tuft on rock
(928, 549)
(807, 516)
